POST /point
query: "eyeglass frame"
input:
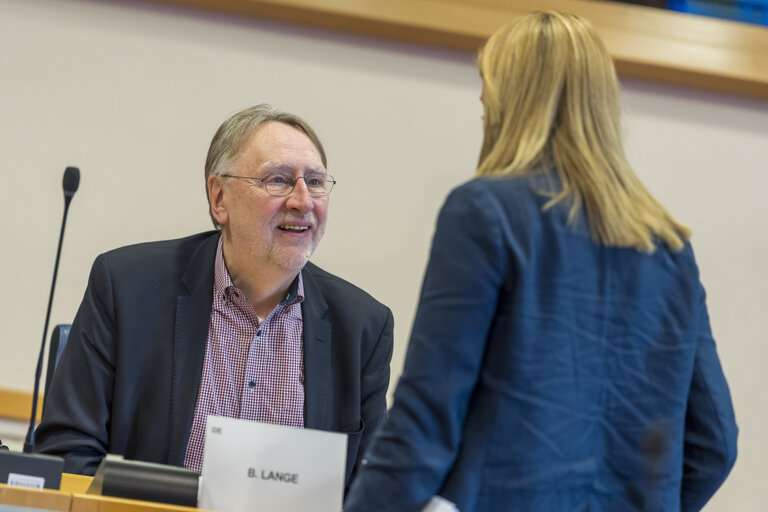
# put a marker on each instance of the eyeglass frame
(328, 179)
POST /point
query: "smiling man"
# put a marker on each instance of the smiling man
(234, 322)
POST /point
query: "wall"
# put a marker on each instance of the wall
(131, 93)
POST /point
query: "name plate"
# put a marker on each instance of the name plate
(257, 467)
(35, 482)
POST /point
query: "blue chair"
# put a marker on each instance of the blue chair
(58, 342)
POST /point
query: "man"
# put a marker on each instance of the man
(233, 322)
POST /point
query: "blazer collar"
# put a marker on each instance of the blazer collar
(317, 353)
(193, 313)
(198, 275)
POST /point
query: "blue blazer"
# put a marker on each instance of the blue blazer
(128, 379)
(548, 373)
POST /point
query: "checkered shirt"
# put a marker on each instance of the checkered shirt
(252, 370)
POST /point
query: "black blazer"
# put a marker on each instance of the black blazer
(128, 379)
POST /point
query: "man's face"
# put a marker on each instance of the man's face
(277, 231)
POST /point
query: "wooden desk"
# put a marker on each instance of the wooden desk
(75, 484)
(72, 498)
(44, 499)
(94, 503)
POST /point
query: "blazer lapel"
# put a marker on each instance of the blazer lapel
(317, 354)
(193, 313)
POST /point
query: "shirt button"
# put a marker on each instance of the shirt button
(252, 384)
(258, 333)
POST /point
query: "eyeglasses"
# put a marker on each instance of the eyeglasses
(318, 185)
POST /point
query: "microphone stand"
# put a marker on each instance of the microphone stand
(28, 469)
(71, 181)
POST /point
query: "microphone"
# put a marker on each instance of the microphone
(70, 182)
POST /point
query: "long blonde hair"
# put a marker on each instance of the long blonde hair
(551, 100)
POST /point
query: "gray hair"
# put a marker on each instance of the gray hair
(235, 132)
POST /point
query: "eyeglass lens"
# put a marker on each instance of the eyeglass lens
(317, 184)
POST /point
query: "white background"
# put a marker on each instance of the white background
(132, 93)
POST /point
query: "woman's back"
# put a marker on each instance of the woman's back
(547, 372)
(588, 361)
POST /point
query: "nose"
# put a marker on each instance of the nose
(299, 199)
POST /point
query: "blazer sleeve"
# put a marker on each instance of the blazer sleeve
(710, 426)
(76, 417)
(416, 446)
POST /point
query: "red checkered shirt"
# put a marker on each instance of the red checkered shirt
(253, 369)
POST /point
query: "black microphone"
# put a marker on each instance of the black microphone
(70, 182)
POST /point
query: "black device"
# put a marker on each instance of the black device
(27, 470)
(146, 481)
(69, 183)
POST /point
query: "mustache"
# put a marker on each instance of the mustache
(308, 220)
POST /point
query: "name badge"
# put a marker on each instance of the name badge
(260, 467)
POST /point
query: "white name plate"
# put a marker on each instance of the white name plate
(256, 467)
(17, 480)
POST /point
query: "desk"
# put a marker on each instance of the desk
(75, 484)
(72, 498)
(45, 499)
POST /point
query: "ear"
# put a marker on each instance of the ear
(216, 198)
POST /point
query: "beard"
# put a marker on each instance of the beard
(265, 245)
(290, 257)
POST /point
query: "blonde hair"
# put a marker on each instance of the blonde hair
(551, 99)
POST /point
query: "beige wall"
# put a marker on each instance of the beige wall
(132, 93)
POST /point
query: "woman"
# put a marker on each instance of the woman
(561, 357)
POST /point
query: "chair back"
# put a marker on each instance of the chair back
(58, 342)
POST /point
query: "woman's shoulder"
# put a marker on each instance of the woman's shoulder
(501, 187)
(516, 193)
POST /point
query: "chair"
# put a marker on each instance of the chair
(58, 342)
